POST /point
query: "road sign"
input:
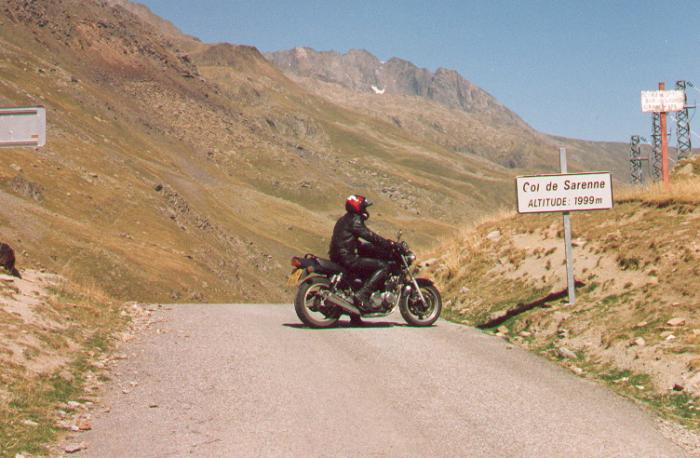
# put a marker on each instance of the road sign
(564, 192)
(24, 126)
(662, 101)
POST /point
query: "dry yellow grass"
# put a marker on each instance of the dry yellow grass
(681, 190)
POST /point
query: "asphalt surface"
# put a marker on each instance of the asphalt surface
(249, 380)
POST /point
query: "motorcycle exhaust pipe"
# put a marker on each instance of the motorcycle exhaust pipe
(343, 304)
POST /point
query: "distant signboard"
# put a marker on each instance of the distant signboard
(25, 126)
(564, 192)
(662, 101)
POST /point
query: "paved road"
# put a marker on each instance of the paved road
(248, 380)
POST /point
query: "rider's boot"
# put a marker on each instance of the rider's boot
(363, 294)
(355, 320)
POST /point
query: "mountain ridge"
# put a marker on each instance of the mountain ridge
(395, 76)
(441, 106)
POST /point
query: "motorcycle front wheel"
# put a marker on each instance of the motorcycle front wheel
(310, 307)
(415, 312)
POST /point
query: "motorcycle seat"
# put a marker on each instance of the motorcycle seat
(330, 266)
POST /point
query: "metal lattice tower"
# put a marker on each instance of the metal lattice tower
(655, 159)
(683, 126)
(636, 160)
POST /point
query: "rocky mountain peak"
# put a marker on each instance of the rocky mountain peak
(360, 70)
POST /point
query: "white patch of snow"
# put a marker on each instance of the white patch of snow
(377, 90)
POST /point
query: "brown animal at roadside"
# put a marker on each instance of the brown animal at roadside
(7, 259)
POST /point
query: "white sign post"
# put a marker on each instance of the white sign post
(565, 192)
(25, 126)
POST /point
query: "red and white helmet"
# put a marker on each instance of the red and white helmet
(357, 204)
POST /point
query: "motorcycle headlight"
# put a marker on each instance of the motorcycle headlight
(410, 258)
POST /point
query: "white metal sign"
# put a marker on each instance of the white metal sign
(25, 126)
(564, 192)
(662, 101)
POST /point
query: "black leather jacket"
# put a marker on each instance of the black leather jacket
(346, 234)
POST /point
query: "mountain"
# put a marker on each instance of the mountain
(361, 71)
(442, 107)
(182, 171)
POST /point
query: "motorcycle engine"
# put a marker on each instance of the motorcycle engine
(382, 299)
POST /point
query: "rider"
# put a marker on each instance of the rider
(360, 257)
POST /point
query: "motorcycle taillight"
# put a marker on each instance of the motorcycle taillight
(296, 262)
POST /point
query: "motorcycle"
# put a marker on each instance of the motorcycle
(325, 291)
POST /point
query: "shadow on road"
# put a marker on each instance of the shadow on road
(347, 324)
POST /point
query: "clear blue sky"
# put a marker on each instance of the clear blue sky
(568, 67)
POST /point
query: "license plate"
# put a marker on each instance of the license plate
(294, 277)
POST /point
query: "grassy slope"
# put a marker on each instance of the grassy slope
(254, 168)
(640, 263)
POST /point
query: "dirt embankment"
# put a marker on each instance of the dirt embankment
(55, 339)
(636, 321)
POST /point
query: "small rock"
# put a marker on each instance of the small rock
(152, 405)
(525, 334)
(73, 405)
(502, 330)
(16, 167)
(640, 342)
(576, 370)
(670, 338)
(676, 322)
(84, 425)
(75, 447)
(494, 235)
(158, 187)
(641, 324)
(29, 423)
(566, 353)
(678, 387)
(464, 290)
(74, 428)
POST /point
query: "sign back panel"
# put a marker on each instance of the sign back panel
(564, 192)
(25, 126)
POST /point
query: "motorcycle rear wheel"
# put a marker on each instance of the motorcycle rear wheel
(308, 304)
(413, 311)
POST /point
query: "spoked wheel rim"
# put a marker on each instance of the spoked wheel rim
(314, 304)
(423, 312)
